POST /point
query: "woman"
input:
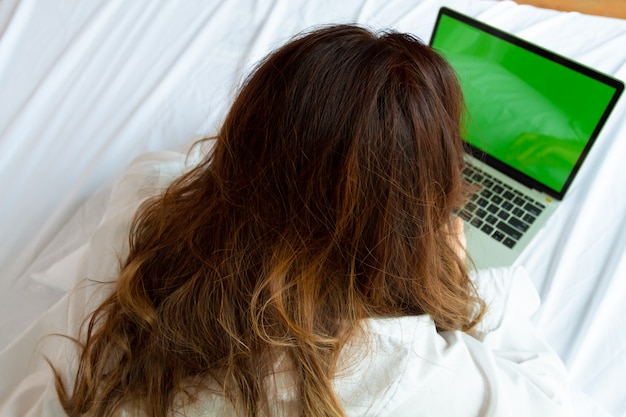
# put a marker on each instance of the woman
(311, 265)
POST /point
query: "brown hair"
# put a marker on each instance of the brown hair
(328, 199)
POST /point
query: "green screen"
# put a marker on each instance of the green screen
(527, 111)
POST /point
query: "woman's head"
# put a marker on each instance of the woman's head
(328, 199)
(347, 114)
(345, 144)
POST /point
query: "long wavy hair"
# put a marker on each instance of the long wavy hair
(328, 199)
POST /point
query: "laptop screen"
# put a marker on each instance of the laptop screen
(528, 108)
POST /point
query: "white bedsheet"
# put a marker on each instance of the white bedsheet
(85, 87)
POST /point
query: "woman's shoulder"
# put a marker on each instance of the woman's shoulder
(502, 368)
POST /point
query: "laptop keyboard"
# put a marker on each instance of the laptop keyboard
(497, 209)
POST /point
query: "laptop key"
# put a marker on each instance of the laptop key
(529, 219)
(532, 209)
(518, 224)
(503, 215)
(491, 219)
(476, 222)
(508, 242)
(498, 236)
(514, 233)
(518, 212)
(487, 229)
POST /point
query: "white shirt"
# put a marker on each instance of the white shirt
(406, 368)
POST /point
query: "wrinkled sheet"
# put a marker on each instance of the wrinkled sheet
(86, 87)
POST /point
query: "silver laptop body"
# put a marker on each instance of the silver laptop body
(532, 118)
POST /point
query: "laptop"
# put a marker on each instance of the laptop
(532, 117)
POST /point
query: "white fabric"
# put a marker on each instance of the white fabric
(399, 367)
(404, 368)
(85, 87)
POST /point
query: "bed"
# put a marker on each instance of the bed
(87, 87)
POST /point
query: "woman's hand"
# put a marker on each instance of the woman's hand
(459, 234)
